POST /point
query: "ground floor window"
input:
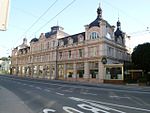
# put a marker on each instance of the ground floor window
(80, 73)
(93, 73)
(80, 69)
(114, 72)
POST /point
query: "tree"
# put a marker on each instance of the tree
(4, 59)
(141, 57)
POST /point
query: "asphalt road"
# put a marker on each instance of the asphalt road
(24, 95)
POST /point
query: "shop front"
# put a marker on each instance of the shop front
(114, 73)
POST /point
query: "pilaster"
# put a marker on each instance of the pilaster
(86, 70)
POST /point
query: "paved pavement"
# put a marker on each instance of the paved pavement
(10, 103)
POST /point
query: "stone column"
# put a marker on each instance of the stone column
(86, 52)
(65, 71)
(32, 71)
(101, 72)
(53, 71)
(21, 71)
(37, 71)
(86, 70)
(44, 71)
(74, 70)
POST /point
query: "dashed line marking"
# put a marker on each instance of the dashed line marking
(59, 93)
(38, 88)
(67, 90)
(18, 83)
(118, 97)
(47, 90)
(31, 86)
(88, 93)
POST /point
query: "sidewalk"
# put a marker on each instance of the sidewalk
(10, 103)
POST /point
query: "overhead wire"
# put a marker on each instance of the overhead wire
(40, 17)
(37, 19)
(54, 17)
(125, 13)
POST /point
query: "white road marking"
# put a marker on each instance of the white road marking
(88, 93)
(47, 90)
(71, 110)
(110, 104)
(48, 110)
(18, 83)
(118, 97)
(91, 108)
(59, 93)
(31, 85)
(38, 88)
(68, 90)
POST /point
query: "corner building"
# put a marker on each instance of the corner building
(96, 55)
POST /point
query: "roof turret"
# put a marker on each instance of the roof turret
(118, 31)
(96, 22)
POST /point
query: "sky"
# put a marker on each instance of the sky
(29, 18)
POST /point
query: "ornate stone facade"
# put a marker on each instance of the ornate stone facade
(82, 56)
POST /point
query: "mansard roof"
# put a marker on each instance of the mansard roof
(49, 34)
(34, 40)
(74, 37)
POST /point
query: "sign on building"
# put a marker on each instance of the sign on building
(4, 8)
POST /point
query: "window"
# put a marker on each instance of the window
(61, 42)
(53, 43)
(70, 40)
(94, 35)
(92, 51)
(80, 52)
(60, 55)
(108, 36)
(80, 38)
(69, 53)
(113, 73)
(110, 51)
(47, 45)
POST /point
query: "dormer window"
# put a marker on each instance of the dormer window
(80, 38)
(61, 42)
(94, 35)
(70, 40)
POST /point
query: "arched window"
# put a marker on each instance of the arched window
(70, 40)
(94, 35)
(80, 38)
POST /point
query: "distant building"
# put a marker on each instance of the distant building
(96, 55)
(4, 66)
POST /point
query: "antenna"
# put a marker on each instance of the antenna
(57, 23)
(100, 3)
(118, 15)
